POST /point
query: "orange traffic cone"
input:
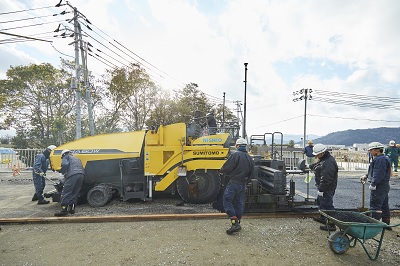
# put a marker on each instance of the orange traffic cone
(16, 170)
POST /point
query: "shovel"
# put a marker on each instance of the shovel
(363, 209)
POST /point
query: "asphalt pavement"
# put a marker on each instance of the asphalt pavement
(349, 190)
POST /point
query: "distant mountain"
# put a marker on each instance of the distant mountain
(299, 138)
(349, 137)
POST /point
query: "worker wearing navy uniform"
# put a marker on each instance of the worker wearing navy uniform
(308, 151)
(40, 167)
(73, 172)
(238, 168)
(212, 124)
(379, 175)
(326, 176)
(393, 153)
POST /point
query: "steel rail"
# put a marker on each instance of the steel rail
(147, 217)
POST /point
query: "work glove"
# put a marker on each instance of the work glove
(363, 179)
(42, 174)
(371, 187)
(321, 194)
(312, 166)
(61, 180)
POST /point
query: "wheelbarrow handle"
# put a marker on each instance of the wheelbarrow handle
(393, 225)
(366, 212)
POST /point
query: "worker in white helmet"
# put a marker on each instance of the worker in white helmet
(393, 153)
(326, 177)
(74, 173)
(379, 176)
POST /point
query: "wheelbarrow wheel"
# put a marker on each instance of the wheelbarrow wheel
(339, 243)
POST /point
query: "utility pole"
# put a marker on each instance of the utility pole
(305, 95)
(245, 93)
(76, 87)
(86, 81)
(223, 113)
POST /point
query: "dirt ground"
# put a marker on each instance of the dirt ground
(272, 241)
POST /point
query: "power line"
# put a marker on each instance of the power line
(112, 52)
(358, 119)
(277, 122)
(61, 52)
(33, 25)
(101, 60)
(113, 45)
(357, 104)
(141, 63)
(24, 19)
(358, 96)
(25, 37)
(131, 51)
(18, 11)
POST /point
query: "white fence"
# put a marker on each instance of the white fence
(23, 159)
(20, 159)
(346, 160)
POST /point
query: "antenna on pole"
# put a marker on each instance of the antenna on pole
(244, 108)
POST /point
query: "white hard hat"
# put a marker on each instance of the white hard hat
(241, 141)
(318, 148)
(51, 147)
(64, 152)
(375, 145)
(392, 142)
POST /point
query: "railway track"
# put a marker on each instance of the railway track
(146, 217)
(155, 217)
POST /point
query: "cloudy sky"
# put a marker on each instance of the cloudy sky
(346, 52)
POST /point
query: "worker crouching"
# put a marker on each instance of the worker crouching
(73, 172)
(238, 168)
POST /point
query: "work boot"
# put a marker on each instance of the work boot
(63, 211)
(320, 219)
(34, 198)
(71, 208)
(328, 227)
(235, 226)
(41, 202)
(387, 221)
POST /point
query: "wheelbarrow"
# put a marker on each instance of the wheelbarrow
(354, 227)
